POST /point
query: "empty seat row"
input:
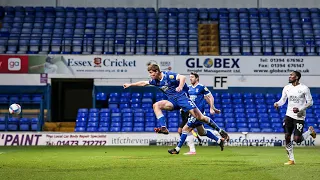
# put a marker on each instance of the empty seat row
(16, 124)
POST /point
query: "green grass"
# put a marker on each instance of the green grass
(144, 163)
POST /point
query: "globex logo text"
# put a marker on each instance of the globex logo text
(215, 63)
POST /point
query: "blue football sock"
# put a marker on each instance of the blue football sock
(182, 140)
(162, 121)
(213, 125)
(211, 135)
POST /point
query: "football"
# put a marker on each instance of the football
(15, 109)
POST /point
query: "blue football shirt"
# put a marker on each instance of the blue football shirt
(197, 94)
(168, 85)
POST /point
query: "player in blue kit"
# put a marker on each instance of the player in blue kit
(200, 95)
(174, 87)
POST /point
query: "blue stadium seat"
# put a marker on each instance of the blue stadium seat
(149, 129)
(127, 114)
(242, 125)
(253, 120)
(253, 125)
(136, 95)
(80, 129)
(173, 129)
(248, 95)
(24, 124)
(92, 129)
(127, 124)
(138, 129)
(147, 95)
(241, 120)
(275, 120)
(231, 125)
(232, 130)
(93, 124)
(219, 120)
(126, 110)
(220, 124)
(12, 124)
(239, 111)
(2, 124)
(311, 120)
(25, 98)
(115, 129)
(276, 125)
(126, 129)
(34, 124)
(81, 123)
(279, 130)
(264, 120)
(83, 110)
(263, 115)
(267, 130)
(255, 130)
(243, 130)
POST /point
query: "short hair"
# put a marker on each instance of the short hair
(298, 74)
(153, 67)
(195, 74)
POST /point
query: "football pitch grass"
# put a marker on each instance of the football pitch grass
(154, 162)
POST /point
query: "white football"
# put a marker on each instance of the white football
(15, 109)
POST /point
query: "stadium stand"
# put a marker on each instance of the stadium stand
(165, 31)
(241, 112)
(29, 119)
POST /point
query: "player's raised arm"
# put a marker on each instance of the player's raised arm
(308, 99)
(182, 81)
(282, 100)
(210, 100)
(139, 83)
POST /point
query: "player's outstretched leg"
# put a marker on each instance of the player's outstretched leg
(212, 135)
(163, 129)
(310, 132)
(181, 142)
(289, 149)
(288, 129)
(199, 116)
(222, 132)
(208, 132)
(298, 139)
(157, 108)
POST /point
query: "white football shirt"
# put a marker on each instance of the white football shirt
(297, 96)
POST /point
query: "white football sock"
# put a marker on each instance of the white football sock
(289, 148)
(306, 134)
(291, 155)
(190, 141)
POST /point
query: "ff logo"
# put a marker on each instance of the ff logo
(14, 64)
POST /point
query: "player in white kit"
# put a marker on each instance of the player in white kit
(299, 99)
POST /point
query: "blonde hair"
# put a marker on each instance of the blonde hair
(153, 67)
